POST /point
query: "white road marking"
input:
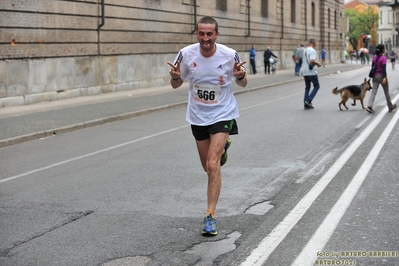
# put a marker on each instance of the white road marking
(326, 229)
(259, 255)
(272, 101)
(90, 154)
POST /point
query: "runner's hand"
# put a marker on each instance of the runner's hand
(239, 70)
(175, 70)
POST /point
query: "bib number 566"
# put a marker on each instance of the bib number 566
(206, 95)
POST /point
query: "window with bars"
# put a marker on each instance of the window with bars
(264, 8)
(221, 5)
(313, 14)
(293, 9)
(329, 18)
(335, 19)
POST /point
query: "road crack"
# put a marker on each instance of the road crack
(74, 217)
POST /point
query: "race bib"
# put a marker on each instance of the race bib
(208, 94)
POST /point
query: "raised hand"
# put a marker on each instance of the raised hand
(239, 70)
(174, 70)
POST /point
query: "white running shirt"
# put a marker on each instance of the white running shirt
(210, 97)
(309, 54)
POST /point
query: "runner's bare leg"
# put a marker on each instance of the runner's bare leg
(210, 152)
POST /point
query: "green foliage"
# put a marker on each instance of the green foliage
(368, 18)
(361, 21)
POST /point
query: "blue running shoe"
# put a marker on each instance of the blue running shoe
(209, 226)
(224, 158)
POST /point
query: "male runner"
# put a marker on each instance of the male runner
(210, 68)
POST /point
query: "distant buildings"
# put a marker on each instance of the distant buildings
(388, 25)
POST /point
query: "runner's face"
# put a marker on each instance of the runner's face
(207, 36)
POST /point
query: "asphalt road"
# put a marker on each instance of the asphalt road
(300, 187)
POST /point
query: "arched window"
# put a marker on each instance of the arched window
(293, 8)
(265, 8)
(313, 14)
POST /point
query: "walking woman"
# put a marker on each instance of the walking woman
(380, 77)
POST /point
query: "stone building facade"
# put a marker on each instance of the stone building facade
(386, 30)
(395, 21)
(57, 49)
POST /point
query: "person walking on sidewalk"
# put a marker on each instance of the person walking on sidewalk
(323, 56)
(380, 77)
(294, 57)
(210, 69)
(266, 58)
(298, 57)
(310, 74)
(252, 57)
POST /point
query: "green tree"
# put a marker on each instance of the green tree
(362, 19)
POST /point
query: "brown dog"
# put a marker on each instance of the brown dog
(355, 92)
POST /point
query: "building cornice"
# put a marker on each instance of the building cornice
(394, 4)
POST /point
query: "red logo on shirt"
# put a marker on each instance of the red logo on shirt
(195, 65)
(221, 80)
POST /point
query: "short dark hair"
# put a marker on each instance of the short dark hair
(209, 20)
(312, 40)
(379, 49)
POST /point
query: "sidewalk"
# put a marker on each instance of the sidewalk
(29, 122)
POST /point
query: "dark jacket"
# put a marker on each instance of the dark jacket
(267, 55)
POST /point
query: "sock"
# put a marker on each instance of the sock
(212, 213)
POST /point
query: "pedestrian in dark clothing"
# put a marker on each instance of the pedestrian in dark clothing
(266, 58)
(362, 59)
(380, 77)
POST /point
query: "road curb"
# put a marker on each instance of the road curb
(87, 124)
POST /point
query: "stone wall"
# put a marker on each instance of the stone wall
(51, 50)
(35, 80)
